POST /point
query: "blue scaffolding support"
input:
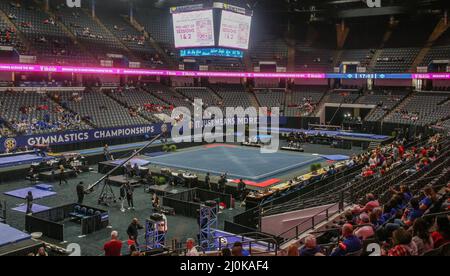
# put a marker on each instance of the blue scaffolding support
(153, 237)
(208, 224)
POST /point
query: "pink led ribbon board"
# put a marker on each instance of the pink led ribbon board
(148, 72)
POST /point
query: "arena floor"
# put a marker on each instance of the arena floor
(239, 162)
(180, 227)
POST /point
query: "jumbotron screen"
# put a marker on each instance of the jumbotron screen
(235, 30)
(194, 29)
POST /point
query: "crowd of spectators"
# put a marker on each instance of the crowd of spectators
(398, 225)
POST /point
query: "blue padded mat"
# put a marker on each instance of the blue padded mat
(335, 133)
(35, 209)
(19, 160)
(336, 157)
(37, 193)
(10, 235)
(44, 186)
(154, 154)
(139, 162)
(239, 162)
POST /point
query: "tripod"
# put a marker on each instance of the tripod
(107, 194)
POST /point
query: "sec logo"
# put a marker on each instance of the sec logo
(10, 144)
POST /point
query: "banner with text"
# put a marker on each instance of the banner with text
(81, 136)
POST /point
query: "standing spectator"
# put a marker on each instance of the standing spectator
(113, 248)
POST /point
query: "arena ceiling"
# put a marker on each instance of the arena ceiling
(319, 10)
(298, 6)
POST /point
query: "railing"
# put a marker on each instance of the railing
(313, 221)
(267, 241)
(315, 188)
(252, 240)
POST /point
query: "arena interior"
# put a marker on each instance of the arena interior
(104, 146)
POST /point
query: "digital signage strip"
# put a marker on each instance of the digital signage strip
(169, 73)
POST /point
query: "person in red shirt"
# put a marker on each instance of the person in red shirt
(401, 150)
(442, 235)
(113, 248)
(423, 152)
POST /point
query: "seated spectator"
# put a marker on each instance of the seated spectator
(240, 249)
(413, 213)
(192, 250)
(367, 231)
(226, 252)
(42, 252)
(350, 243)
(310, 248)
(422, 237)
(404, 192)
(442, 234)
(403, 244)
(293, 251)
(429, 199)
(371, 204)
(236, 251)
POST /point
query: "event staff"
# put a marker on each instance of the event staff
(241, 189)
(80, 192)
(29, 199)
(113, 248)
(106, 153)
(208, 181)
(129, 170)
(62, 175)
(221, 183)
(155, 202)
(133, 231)
(32, 176)
(136, 171)
(123, 194)
(129, 194)
(149, 179)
